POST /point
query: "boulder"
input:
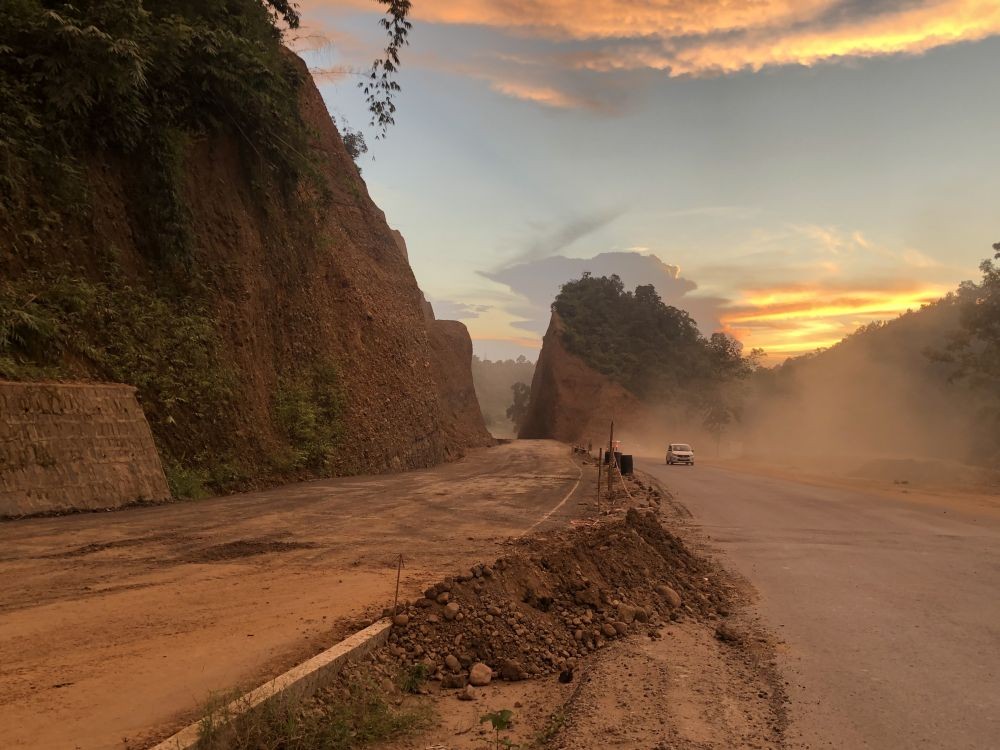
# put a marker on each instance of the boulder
(480, 674)
(453, 681)
(511, 670)
(672, 597)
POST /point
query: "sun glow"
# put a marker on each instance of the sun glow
(786, 322)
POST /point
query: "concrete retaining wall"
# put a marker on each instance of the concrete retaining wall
(74, 446)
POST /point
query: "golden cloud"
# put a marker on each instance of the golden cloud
(712, 37)
(791, 320)
(604, 19)
(543, 95)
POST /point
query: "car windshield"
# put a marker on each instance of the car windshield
(680, 447)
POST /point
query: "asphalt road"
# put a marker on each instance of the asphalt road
(889, 609)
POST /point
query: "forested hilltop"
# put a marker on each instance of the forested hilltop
(653, 349)
(611, 353)
(178, 212)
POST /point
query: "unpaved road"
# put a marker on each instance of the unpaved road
(114, 627)
(889, 609)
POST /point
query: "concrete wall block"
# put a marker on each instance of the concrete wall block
(74, 446)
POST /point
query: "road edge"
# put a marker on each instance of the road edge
(301, 680)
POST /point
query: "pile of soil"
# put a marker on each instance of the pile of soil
(558, 597)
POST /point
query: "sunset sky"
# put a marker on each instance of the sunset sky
(787, 170)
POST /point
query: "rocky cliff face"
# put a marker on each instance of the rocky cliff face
(301, 282)
(570, 401)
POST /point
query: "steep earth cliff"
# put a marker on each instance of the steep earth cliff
(572, 402)
(290, 341)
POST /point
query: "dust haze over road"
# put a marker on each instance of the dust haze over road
(888, 608)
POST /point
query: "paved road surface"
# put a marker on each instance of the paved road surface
(890, 610)
(117, 625)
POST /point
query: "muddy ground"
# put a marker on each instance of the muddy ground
(116, 627)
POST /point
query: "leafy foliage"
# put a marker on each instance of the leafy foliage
(651, 348)
(381, 86)
(308, 409)
(975, 349)
(129, 79)
(494, 380)
(500, 721)
(518, 409)
(54, 324)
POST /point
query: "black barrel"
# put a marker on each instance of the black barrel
(625, 463)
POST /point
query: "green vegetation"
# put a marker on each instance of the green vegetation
(975, 349)
(500, 721)
(356, 715)
(132, 80)
(308, 409)
(651, 348)
(518, 409)
(55, 324)
(551, 730)
(413, 677)
(495, 381)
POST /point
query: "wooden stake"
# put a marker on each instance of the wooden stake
(611, 456)
(395, 602)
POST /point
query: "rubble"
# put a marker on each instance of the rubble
(557, 597)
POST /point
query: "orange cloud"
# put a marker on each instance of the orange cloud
(604, 19)
(543, 95)
(711, 37)
(793, 320)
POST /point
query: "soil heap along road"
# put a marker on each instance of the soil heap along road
(114, 628)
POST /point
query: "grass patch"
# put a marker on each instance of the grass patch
(412, 678)
(552, 729)
(352, 714)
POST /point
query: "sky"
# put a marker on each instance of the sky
(785, 170)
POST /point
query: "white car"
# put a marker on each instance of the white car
(680, 453)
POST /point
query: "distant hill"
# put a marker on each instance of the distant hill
(494, 379)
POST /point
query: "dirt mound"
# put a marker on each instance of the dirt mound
(558, 597)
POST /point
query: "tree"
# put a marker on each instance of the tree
(354, 142)
(975, 349)
(518, 410)
(381, 87)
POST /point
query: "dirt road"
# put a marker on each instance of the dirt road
(115, 627)
(889, 609)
